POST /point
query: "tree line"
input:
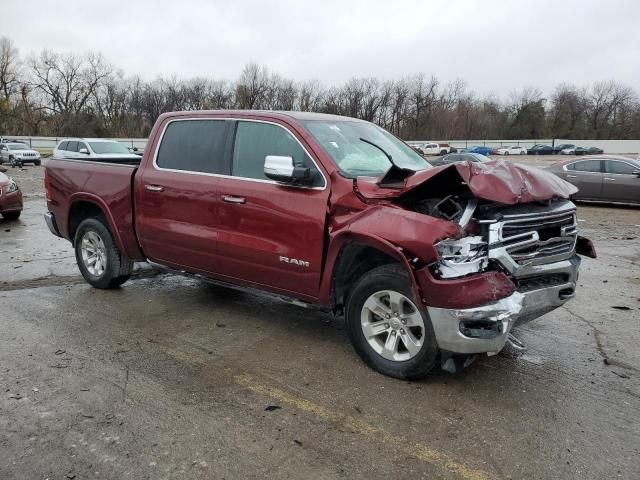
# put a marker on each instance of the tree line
(66, 94)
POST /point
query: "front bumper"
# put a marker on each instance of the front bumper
(485, 329)
(10, 202)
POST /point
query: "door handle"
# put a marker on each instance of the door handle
(233, 199)
(154, 188)
(610, 179)
(571, 176)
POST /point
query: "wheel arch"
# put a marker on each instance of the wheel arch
(352, 255)
(84, 206)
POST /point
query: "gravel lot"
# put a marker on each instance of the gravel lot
(168, 377)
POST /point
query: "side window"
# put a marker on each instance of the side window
(72, 147)
(82, 145)
(255, 140)
(620, 168)
(587, 166)
(63, 145)
(193, 145)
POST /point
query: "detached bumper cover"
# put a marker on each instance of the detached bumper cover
(485, 329)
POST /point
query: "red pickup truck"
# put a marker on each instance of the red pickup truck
(426, 264)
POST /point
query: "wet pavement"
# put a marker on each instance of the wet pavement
(170, 377)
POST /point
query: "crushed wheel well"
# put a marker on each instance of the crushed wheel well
(78, 212)
(354, 261)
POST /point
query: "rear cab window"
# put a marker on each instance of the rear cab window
(193, 146)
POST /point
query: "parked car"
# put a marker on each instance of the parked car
(563, 146)
(10, 198)
(459, 157)
(17, 154)
(337, 213)
(97, 149)
(606, 178)
(588, 151)
(571, 150)
(479, 149)
(513, 150)
(540, 150)
(434, 148)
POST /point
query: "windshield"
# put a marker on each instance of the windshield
(341, 140)
(108, 147)
(17, 146)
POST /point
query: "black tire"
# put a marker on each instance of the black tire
(118, 267)
(389, 277)
(37, 163)
(11, 215)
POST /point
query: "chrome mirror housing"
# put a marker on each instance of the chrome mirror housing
(279, 168)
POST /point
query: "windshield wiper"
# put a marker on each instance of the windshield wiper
(394, 177)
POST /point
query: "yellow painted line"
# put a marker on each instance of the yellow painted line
(421, 452)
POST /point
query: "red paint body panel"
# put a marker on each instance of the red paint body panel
(106, 186)
(498, 181)
(9, 202)
(188, 225)
(467, 292)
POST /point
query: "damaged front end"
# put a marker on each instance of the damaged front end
(514, 259)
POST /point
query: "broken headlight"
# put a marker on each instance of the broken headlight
(461, 257)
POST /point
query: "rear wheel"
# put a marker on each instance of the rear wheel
(100, 261)
(387, 328)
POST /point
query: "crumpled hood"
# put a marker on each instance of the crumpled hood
(498, 181)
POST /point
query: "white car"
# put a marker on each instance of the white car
(17, 154)
(434, 148)
(568, 151)
(513, 150)
(93, 149)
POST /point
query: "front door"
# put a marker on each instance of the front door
(621, 182)
(271, 234)
(176, 197)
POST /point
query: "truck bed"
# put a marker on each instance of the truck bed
(108, 184)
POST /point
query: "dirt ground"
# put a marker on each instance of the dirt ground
(168, 377)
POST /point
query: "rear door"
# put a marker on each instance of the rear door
(176, 196)
(621, 182)
(271, 234)
(587, 175)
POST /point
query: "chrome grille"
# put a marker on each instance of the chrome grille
(530, 237)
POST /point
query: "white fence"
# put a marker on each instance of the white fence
(47, 143)
(609, 146)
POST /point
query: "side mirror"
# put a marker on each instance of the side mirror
(636, 173)
(281, 169)
(84, 150)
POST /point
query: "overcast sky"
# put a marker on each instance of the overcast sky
(495, 46)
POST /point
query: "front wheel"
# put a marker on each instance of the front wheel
(11, 215)
(387, 328)
(100, 261)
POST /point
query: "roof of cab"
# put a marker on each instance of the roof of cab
(304, 116)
